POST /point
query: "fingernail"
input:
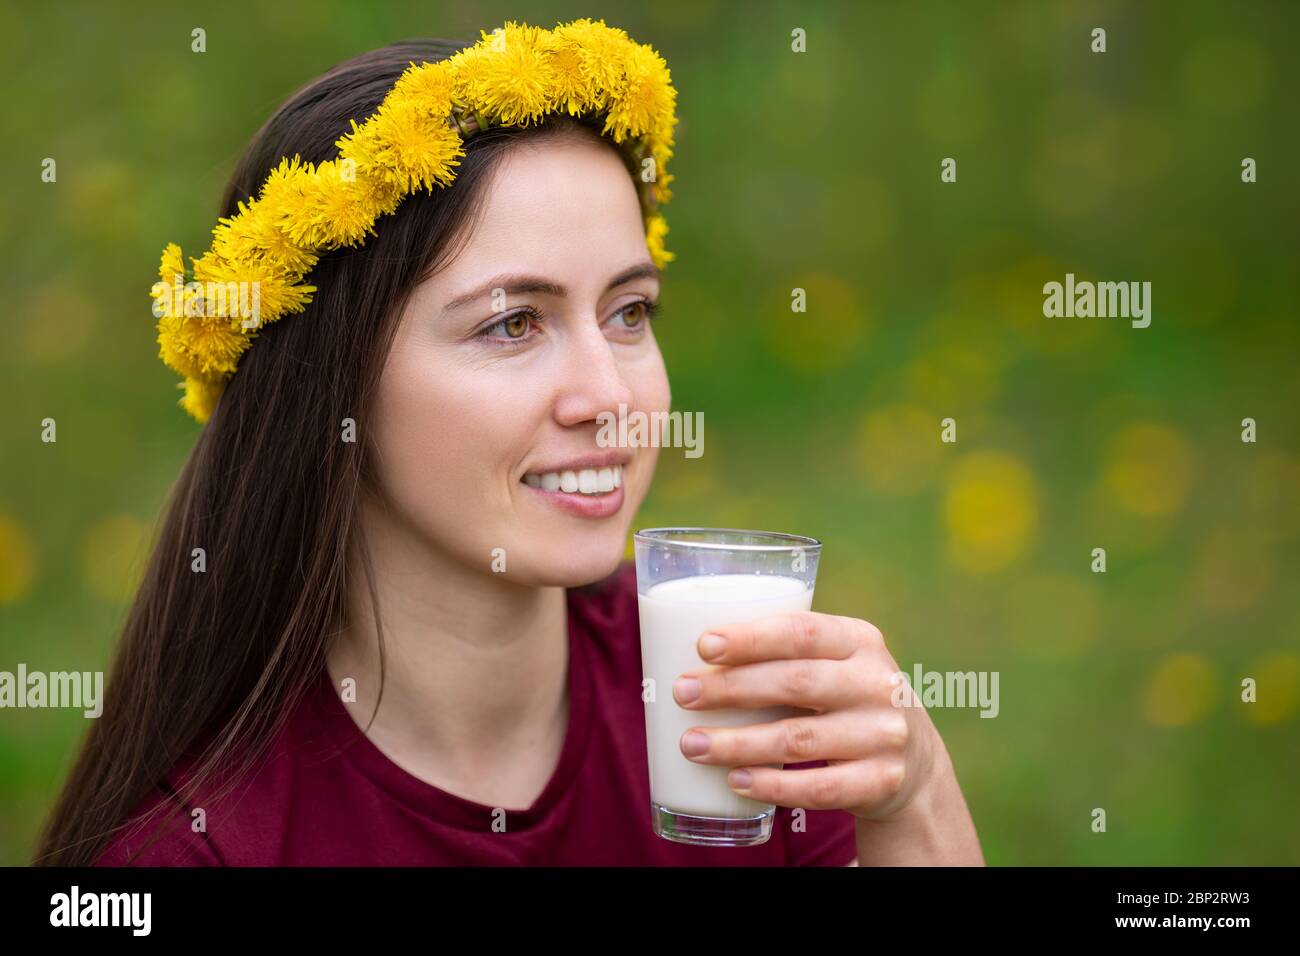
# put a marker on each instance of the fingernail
(686, 690)
(740, 779)
(712, 645)
(695, 743)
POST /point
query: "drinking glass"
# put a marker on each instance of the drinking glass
(688, 581)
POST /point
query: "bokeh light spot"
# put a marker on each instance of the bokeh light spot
(1277, 688)
(898, 448)
(1149, 469)
(1180, 691)
(113, 556)
(991, 510)
(17, 561)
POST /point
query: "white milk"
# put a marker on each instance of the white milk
(673, 616)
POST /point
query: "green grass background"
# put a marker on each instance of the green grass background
(819, 171)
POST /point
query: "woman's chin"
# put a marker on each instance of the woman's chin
(585, 562)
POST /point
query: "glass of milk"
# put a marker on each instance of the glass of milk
(689, 580)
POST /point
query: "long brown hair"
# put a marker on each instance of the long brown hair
(209, 663)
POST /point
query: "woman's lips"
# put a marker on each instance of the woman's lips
(576, 503)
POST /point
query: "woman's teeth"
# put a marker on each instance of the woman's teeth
(588, 481)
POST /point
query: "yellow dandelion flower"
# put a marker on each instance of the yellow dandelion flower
(254, 235)
(279, 294)
(647, 99)
(220, 283)
(413, 148)
(410, 141)
(361, 146)
(513, 76)
(169, 297)
(656, 229)
(171, 348)
(515, 83)
(173, 264)
(660, 152)
(659, 141)
(467, 68)
(215, 343)
(330, 211)
(200, 397)
(431, 84)
(213, 267)
(381, 195)
(601, 52)
(661, 190)
(291, 198)
(254, 292)
(575, 91)
(285, 184)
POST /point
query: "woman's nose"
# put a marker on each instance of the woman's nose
(592, 379)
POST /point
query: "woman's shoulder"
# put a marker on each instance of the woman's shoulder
(235, 816)
(161, 830)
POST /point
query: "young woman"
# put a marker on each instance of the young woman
(372, 631)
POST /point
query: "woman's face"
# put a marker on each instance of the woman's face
(502, 362)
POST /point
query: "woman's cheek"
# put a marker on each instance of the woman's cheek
(418, 443)
(654, 394)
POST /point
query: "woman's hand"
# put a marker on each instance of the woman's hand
(885, 763)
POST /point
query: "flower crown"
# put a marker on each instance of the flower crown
(253, 273)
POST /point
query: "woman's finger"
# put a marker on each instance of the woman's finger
(813, 684)
(843, 735)
(797, 634)
(856, 783)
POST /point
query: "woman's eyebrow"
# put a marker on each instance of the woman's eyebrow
(513, 284)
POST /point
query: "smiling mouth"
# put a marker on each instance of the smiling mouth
(587, 481)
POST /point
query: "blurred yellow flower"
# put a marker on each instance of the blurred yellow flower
(1180, 691)
(1017, 293)
(953, 377)
(17, 561)
(898, 448)
(825, 336)
(1277, 688)
(1149, 469)
(113, 556)
(990, 509)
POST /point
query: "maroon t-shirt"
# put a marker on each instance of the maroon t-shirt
(325, 795)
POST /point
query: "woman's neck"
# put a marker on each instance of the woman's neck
(474, 668)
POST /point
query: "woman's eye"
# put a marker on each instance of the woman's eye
(636, 313)
(515, 327)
